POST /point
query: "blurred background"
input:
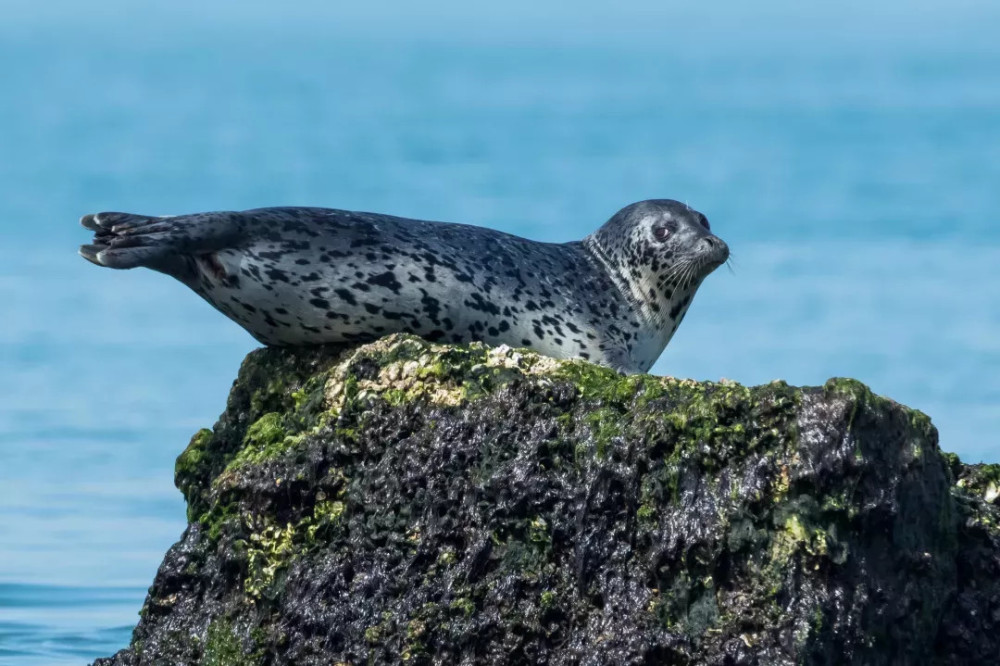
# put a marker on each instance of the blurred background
(849, 155)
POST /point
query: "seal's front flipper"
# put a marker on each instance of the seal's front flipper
(124, 240)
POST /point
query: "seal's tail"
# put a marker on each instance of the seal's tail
(124, 240)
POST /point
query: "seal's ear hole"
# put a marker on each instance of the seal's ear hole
(660, 232)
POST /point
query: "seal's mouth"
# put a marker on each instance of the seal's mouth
(709, 253)
(715, 251)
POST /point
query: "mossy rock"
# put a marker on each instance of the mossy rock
(410, 502)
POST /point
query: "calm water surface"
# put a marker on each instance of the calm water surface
(856, 186)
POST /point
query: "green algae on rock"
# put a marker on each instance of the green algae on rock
(410, 502)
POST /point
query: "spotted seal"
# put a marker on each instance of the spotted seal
(297, 276)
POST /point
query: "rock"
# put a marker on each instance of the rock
(404, 501)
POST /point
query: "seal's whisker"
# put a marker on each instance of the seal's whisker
(682, 279)
(692, 273)
(678, 269)
(672, 272)
(677, 276)
(682, 271)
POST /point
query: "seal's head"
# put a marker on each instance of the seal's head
(661, 250)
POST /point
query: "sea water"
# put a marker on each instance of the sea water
(856, 183)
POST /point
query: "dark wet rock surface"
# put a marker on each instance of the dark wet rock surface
(408, 502)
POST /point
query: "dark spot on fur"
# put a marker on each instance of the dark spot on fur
(387, 280)
(346, 296)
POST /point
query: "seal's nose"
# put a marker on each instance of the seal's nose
(717, 247)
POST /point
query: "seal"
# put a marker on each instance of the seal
(303, 276)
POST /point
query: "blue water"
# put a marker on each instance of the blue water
(851, 161)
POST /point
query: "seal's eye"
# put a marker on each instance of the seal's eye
(704, 221)
(661, 233)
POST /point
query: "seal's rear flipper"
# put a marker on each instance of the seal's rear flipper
(124, 240)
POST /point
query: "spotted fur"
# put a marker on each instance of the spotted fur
(298, 276)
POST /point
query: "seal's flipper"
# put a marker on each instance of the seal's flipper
(125, 240)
